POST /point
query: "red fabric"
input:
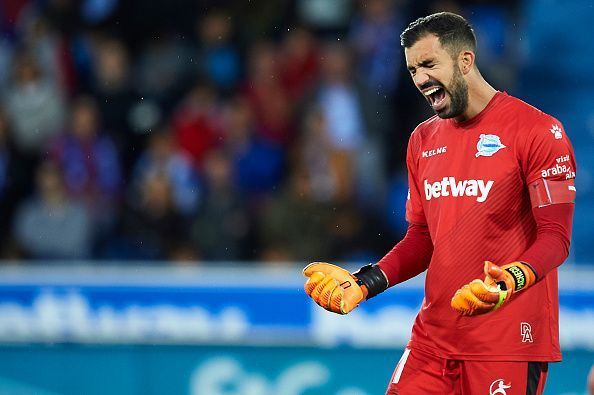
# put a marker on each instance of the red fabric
(422, 373)
(551, 247)
(10, 11)
(272, 109)
(195, 133)
(468, 183)
(410, 256)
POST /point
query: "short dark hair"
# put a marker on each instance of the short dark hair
(453, 31)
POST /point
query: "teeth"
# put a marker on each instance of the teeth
(431, 91)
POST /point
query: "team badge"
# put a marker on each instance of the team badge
(488, 145)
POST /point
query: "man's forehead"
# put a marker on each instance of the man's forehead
(427, 47)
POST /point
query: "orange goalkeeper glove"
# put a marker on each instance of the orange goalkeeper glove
(501, 282)
(337, 290)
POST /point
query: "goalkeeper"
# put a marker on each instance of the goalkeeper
(490, 206)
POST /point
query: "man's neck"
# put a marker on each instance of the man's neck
(480, 94)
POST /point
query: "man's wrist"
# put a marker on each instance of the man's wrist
(373, 279)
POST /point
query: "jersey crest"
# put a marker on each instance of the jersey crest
(488, 145)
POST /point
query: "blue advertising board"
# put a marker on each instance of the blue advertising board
(223, 331)
(230, 305)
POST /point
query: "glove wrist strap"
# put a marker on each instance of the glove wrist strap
(372, 277)
(522, 275)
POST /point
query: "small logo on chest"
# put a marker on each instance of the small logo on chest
(435, 151)
(488, 145)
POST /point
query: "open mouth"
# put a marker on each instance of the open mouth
(436, 97)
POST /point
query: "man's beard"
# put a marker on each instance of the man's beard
(458, 91)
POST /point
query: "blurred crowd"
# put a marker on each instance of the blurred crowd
(213, 130)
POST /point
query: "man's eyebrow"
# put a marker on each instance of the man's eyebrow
(423, 63)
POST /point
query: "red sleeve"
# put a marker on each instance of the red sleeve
(414, 200)
(549, 166)
(551, 246)
(410, 257)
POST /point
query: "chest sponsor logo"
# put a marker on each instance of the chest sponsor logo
(561, 167)
(557, 132)
(488, 145)
(498, 387)
(449, 186)
(435, 151)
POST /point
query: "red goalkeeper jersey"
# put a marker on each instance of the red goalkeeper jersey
(468, 183)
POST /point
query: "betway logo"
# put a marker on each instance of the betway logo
(450, 186)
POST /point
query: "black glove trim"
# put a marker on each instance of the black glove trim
(373, 278)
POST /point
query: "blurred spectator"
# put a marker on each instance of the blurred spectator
(65, 15)
(196, 123)
(223, 223)
(267, 95)
(258, 163)
(494, 27)
(315, 154)
(113, 90)
(10, 15)
(394, 211)
(6, 60)
(259, 18)
(324, 14)
(375, 36)
(162, 156)
(218, 57)
(51, 52)
(87, 155)
(162, 68)
(34, 105)
(591, 381)
(299, 63)
(293, 225)
(90, 165)
(51, 225)
(151, 228)
(356, 150)
(97, 11)
(339, 99)
(16, 174)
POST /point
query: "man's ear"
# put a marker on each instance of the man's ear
(466, 61)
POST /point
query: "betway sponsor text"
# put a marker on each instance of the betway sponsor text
(449, 186)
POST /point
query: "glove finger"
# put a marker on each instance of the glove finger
(485, 293)
(316, 294)
(466, 303)
(313, 281)
(325, 268)
(325, 297)
(336, 300)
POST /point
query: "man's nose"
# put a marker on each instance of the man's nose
(420, 78)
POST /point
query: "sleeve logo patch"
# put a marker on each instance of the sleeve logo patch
(557, 132)
(488, 145)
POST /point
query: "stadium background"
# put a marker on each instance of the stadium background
(168, 167)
